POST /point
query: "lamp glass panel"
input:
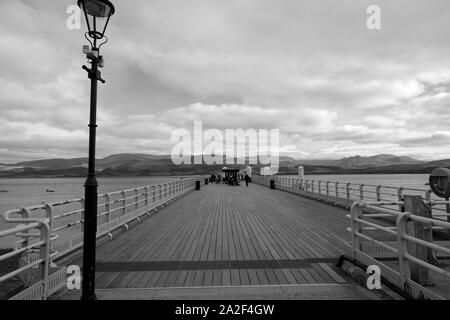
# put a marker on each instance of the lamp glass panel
(97, 8)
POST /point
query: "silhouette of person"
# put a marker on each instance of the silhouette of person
(247, 180)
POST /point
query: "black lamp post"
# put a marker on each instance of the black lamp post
(97, 14)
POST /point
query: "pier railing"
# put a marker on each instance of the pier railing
(46, 232)
(344, 194)
(419, 268)
(404, 231)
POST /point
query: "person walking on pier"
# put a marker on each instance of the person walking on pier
(247, 180)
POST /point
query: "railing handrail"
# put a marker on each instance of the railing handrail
(345, 193)
(359, 224)
(367, 203)
(132, 206)
(43, 245)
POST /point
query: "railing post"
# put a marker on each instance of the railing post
(415, 206)
(312, 186)
(378, 191)
(49, 216)
(347, 189)
(44, 255)
(327, 188)
(401, 207)
(337, 189)
(25, 238)
(108, 213)
(319, 186)
(361, 192)
(147, 195)
(124, 200)
(136, 199)
(153, 194)
(356, 213)
(160, 191)
(404, 264)
(428, 198)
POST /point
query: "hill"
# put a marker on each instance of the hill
(127, 164)
(373, 161)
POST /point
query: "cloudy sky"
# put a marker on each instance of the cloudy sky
(310, 68)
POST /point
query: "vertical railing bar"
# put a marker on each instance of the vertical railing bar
(361, 191)
(348, 193)
(108, 210)
(124, 194)
(401, 207)
(49, 215)
(404, 264)
(44, 254)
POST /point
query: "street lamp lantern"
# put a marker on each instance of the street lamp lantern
(97, 14)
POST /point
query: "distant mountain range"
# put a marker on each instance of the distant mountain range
(121, 165)
(374, 161)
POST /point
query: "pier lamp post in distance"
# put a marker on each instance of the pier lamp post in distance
(97, 14)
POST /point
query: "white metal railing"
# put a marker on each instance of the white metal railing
(399, 239)
(346, 193)
(379, 227)
(59, 225)
(42, 245)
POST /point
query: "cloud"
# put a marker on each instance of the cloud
(311, 69)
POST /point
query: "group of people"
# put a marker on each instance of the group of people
(220, 179)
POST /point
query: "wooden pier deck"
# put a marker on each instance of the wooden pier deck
(224, 236)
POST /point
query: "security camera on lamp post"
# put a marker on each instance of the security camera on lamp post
(97, 14)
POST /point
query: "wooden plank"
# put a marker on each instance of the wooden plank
(222, 223)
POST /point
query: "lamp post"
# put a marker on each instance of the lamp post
(97, 13)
